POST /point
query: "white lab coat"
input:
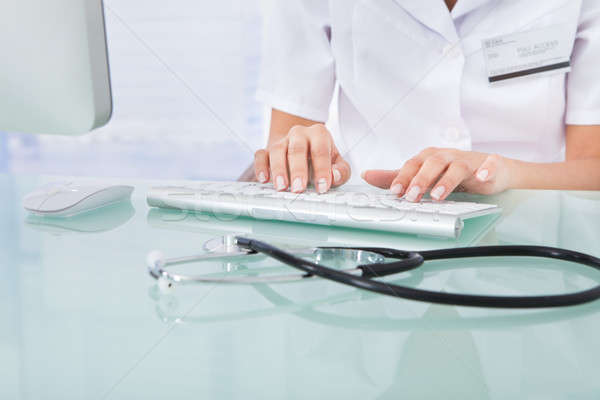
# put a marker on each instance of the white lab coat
(410, 74)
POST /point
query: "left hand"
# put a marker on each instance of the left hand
(442, 171)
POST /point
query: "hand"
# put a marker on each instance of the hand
(287, 160)
(444, 170)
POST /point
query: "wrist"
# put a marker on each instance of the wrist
(515, 173)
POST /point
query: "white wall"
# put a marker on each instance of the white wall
(183, 74)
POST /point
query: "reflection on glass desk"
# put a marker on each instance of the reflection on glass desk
(80, 317)
(305, 234)
(101, 220)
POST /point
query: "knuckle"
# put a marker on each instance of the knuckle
(461, 165)
(296, 147)
(320, 146)
(438, 158)
(296, 130)
(318, 128)
(298, 168)
(278, 147)
(412, 163)
(260, 154)
(429, 150)
(278, 168)
(319, 151)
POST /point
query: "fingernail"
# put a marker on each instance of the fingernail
(262, 178)
(482, 174)
(280, 183)
(438, 192)
(413, 193)
(363, 174)
(322, 185)
(297, 185)
(396, 189)
(337, 175)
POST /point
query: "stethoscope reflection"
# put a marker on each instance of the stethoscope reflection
(167, 308)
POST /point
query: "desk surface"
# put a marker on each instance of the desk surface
(81, 318)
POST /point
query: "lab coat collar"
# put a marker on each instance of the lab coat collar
(434, 14)
(463, 7)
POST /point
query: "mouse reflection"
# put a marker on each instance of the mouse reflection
(101, 220)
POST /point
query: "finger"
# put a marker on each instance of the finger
(379, 177)
(457, 172)
(431, 169)
(404, 175)
(261, 165)
(297, 154)
(340, 170)
(487, 170)
(278, 163)
(320, 154)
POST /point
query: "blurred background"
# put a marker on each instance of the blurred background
(184, 75)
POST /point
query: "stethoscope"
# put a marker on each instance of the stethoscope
(370, 263)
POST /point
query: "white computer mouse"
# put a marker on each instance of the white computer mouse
(69, 198)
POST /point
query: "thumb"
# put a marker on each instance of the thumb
(340, 170)
(381, 178)
(487, 170)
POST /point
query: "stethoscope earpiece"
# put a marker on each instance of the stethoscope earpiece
(165, 285)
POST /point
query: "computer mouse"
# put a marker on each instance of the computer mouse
(70, 198)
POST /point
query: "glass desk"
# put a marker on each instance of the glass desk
(81, 318)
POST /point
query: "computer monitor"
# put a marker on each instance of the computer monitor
(54, 75)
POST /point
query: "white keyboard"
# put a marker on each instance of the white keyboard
(349, 206)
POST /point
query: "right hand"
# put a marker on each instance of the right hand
(285, 162)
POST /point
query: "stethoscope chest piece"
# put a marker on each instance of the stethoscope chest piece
(224, 245)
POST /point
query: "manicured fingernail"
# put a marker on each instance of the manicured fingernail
(262, 178)
(413, 193)
(297, 185)
(280, 183)
(482, 174)
(438, 192)
(337, 175)
(396, 189)
(363, 174)
(322, 185)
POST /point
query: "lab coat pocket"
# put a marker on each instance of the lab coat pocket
(391, 52)
(518, 117)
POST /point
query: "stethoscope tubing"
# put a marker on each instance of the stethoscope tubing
(411, 260)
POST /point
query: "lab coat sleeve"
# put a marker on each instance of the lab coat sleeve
(297, 67)
(583, 85)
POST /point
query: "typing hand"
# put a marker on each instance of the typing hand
(444, 170)
(285, 162)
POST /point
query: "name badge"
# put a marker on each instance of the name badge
(540, 51)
